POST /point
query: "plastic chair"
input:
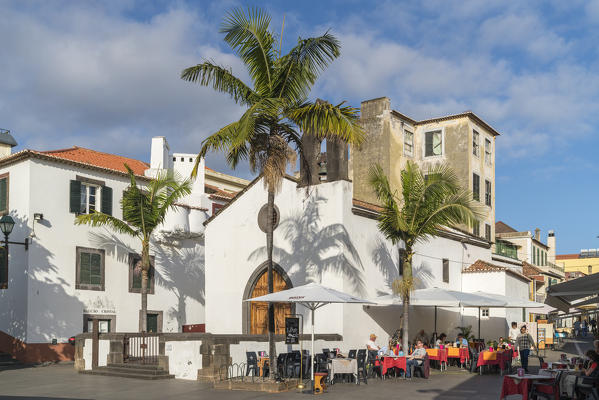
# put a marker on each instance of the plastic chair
(423, 368)
(546, 390)
(361, 360)
(352, 354)
(374, 364)
(252, 363)
(292, 364)
(281, 369)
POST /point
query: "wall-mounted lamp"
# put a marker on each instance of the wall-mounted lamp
(38, 217)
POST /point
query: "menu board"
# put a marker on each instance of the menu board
(291, 330)
(541, 338)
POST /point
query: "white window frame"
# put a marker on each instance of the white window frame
(424, 156)
(476, 143)
(485, 312)
(489, 155)
(405, 151)
(98, 203)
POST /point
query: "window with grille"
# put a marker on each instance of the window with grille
(488, 193)
(488, 232)
(433, 143)
(488, 151)
(484, 312)
(476, 229)
(90, 269)
(408, 143)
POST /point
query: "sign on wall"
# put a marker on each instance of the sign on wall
(291, 330)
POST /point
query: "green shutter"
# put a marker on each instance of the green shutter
(106, 200)
(428, 144)
(75, 197)
(3, 195)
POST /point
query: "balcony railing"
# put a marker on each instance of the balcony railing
(555, 268)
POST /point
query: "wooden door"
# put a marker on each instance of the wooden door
(259, 311)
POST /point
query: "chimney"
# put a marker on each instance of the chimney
(159, 155)
(309, 162)
(551, 245)
(538, 234)
(7, 142)
(337, 160)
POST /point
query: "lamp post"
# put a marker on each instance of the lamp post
(6, 225)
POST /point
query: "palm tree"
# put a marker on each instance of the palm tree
(144, 209)
(277, 108)
(428, 202)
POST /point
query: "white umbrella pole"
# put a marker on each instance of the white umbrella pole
(313, 355)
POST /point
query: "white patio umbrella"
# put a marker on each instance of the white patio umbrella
(440, 297)
(311, 296)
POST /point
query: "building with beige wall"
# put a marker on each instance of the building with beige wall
(585, 262)
(463, 141)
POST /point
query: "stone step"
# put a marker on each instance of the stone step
(135, 370)
(149, 367)
(109, 372)
(8, 363)
(6, 357)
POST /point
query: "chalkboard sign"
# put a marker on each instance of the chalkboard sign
(291, 330)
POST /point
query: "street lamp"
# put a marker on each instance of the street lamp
(6, 225)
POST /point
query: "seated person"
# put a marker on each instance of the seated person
(371, 345)
(592, 369)
(400, 351)
(440, 340)
(501, 343)
(421, 336)
(416, 358)
(461, 341)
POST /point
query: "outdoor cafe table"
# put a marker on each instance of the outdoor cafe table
(343, 366)
(514, 384)
(500, 357)
(393, 362)
(438, 355)
(458, 352)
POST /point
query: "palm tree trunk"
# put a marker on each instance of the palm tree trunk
(272, 351)
(407, 277)
(145, 268)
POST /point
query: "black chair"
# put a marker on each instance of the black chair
(587, 387)
(474, 353)
(281, 369)
(252, 363)
(422, 368)
(326, 352)
(306, 367)
(374, 364)
(352, 354)
(292, 364)
(361, 360)
(546, 390)
(322, 362)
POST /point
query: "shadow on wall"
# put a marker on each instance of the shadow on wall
(388, 265)
(182, 272)
(178, 269)
(315, 250)
(45, 298)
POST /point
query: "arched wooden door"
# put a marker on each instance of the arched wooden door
(259, 311)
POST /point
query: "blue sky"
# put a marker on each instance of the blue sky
(105, 75)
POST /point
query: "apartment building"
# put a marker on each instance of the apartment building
(586, 262)
(463, 141)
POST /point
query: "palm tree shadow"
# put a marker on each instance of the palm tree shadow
(388, 265)
(315, 250)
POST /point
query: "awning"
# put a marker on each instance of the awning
(564, 295)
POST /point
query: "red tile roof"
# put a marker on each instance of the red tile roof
(530, 270)
(368, 206)
(217, 193)
(99, 159)
(483, 266)
(567, 256)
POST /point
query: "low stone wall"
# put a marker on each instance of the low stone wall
(201, 356)
(35, 352)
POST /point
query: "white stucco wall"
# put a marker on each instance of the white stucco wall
(354, 258)
(42, 300)
(184, 358)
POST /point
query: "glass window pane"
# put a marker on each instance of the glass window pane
(83, 207)
(437, 144)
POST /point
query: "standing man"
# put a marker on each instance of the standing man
(514, 332)
(525, 342)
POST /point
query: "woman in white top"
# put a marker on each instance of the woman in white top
(514, 332)
(440, 341)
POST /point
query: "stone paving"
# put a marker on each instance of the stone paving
(62, 382)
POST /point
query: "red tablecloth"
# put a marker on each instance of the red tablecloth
(494, 358)
(462, 353)
(391, 362)
(519, 386)
(437, 355)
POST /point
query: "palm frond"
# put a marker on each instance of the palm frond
(168, 198)
(220, 79)
(97, 219)
(249, 37)
(298, 70)
(326, 120)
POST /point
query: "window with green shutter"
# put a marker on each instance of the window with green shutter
(4, 193)
(90, 269)
(475, 187)
(433, 143)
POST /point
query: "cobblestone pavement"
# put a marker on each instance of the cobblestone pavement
(62, 382)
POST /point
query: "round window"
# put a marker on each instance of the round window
(263, 217)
